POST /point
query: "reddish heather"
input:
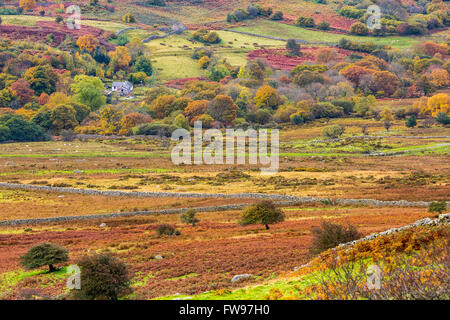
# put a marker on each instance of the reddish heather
(279, 59)
(46, 28)
(179, 83)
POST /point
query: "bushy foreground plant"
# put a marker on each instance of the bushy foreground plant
(420, 275)
(329, 235)
(333, 131)
(103, 276)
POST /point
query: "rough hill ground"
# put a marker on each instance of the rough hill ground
(413, 263)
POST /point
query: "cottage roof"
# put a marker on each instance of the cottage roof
(122, 84)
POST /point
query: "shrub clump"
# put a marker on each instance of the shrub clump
(167, 230)
(333, 131)
(189, 217)
(437, 206)
(103, 276)
(329, 235)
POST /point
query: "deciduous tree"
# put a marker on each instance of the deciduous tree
(27, 4)
(88, 42)
(264, 212)
(267, 97)
(45, 254)
(222, 108)
(89, 91)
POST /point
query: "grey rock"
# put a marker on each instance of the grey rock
(240, 277)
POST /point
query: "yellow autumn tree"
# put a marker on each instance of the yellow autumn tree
(110, 120)
(27, 113)
(57, 99)
(266, 96)
(27, 4)
(386, 115)
(436, 104)
(440, 78)
(88, 42)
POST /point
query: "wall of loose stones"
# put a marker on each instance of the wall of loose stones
(280, 199)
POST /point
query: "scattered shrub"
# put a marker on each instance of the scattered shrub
(441, 117)
(167, 230)
(411, 122)
(189, 217)
(307, 22)
(323, 26)
(333, 131)
(359, 28)
(329, 235)
(103, 276)
(437, 206)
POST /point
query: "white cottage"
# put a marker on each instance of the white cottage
(123, 88)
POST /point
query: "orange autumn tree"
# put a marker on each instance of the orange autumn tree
(386, 81)
(27, 4)
(326, 55)
(354, 73)
(131, 120)
(43, 98)
(431, 48)
(121, 57)
(88, 42)
(162, 106)
(195, 109)
(440, 78)
(222, 108)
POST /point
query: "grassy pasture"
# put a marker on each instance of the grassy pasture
(172, 55)
(276, 29)
(24, 20)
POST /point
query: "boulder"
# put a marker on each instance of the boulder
(240, 277)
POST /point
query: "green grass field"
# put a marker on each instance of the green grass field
(172, 55)
(280, 30)
(23, 20)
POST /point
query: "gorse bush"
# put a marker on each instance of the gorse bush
(103, 276)
(189, 217)
(43, 255)
(329, 235)
(333, 131)
(167, 230)
(437, 206)
(443, 118)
